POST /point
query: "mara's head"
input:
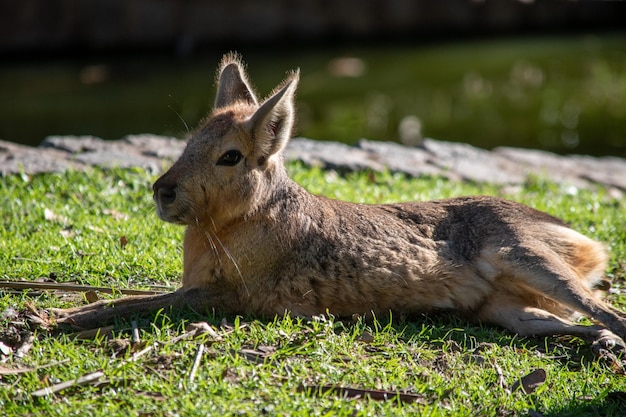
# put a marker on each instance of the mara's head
(234, 157)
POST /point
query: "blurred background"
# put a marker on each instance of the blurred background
(539, 74)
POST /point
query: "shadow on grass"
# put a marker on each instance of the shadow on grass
(441, 334)
(612, 405)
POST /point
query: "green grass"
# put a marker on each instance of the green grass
(69, 227)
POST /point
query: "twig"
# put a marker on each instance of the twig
(9, 371)
(501, 380)
(92, 333)
(41, 261)
(28, 285)
(180, 337)
(92, 377)
(135, 330)
(377, 395)
(152, 346)
(83, 380)
(142, 352)
(196, 362)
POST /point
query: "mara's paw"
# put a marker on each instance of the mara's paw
(83, 317)
(609, 342)
(610, 350)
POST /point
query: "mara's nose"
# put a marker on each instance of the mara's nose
(164, 194)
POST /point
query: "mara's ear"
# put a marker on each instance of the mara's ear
(233, 84)
(272, 123)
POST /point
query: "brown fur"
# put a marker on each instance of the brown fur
(256, 242)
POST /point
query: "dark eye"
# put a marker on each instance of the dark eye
(230, 158)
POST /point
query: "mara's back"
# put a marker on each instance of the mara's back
(345, 258)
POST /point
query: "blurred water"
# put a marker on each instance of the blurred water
(564, 94)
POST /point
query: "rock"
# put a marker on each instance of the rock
(145, 151)
(577, 170)
(160, 147)
(16, 158)
(74, 144)
(332, 155)
(415, 162)
(455, 161)
(473, 164)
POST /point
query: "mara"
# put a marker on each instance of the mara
(256, 242)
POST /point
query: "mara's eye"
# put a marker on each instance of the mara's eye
(230, 158)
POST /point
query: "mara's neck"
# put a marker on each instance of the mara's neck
(227, 252)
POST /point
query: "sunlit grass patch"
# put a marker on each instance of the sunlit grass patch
(69, 227)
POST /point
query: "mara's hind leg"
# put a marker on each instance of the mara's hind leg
(568, 291)
(566, 277)
(517, 316)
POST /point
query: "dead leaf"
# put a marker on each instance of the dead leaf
(164, 361)
(203, 327)
(9, 313)
(5, 350)
(91, 296)
(67, 232)
(474, 359)
(267, 350)
(157, 396)
(452, 346)
(51, 216)
(96, 229)
(24, 348)
(123, 241)
(115, 214)
(529, 383)
(366, 337)
(484, 347)
(118, 347)
(229, 375)
(105, 332)
(257, 355)
(501, 382)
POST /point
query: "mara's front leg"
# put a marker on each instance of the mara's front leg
(99, 313)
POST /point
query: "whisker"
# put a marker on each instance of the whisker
(234, 261)
(214, 247)
(211, 242)
(178, 114)
(213, 223)
(230, 256)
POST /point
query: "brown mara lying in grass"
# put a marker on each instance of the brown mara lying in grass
(256, 242)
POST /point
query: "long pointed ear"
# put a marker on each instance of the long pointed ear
(233, 84)
(272, 123)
